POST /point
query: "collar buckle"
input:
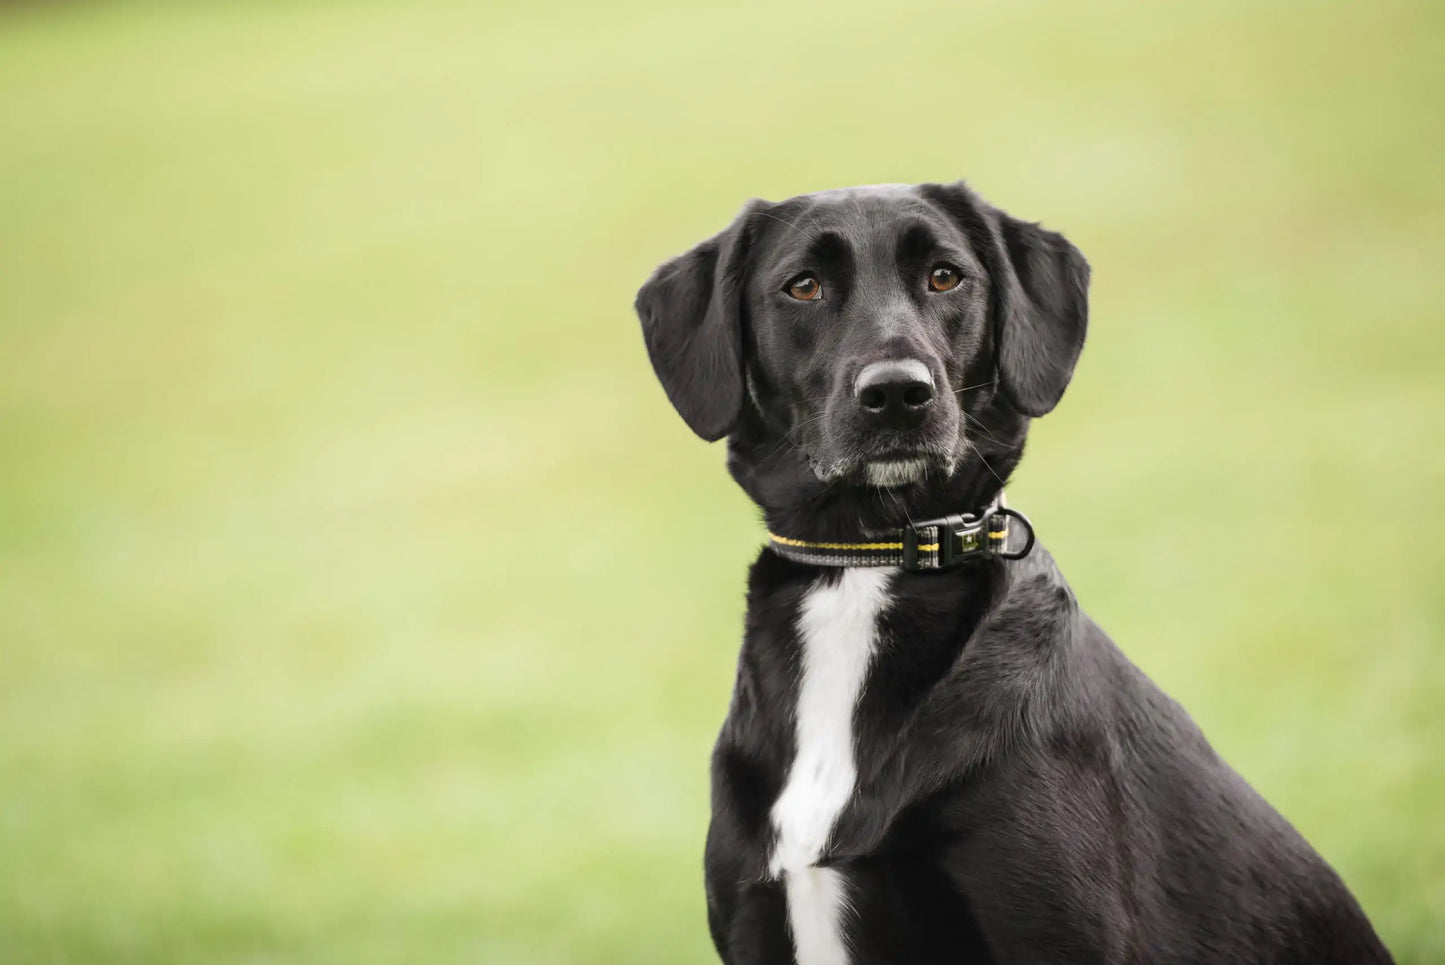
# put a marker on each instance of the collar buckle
(940, 544)
(943, 543)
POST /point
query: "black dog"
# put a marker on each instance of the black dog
(932, 754)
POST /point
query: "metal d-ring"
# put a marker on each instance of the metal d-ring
(1005, 511)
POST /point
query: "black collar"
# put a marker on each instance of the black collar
(933, 544)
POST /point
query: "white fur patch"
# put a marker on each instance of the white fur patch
(838, 628)
(817, 898)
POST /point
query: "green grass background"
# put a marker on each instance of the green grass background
(361, 598)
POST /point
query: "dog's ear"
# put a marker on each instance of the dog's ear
(1039, 298)
(691, 311)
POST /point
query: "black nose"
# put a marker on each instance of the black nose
(894, 392)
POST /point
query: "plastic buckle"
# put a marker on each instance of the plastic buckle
(959, 537)
(965, 536)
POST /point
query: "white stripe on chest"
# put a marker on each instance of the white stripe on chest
(838, 630)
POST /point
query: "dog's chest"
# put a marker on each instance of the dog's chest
(838, 627)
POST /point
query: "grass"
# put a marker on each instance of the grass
(341, 612)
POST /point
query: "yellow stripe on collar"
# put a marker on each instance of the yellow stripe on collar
(929, 547)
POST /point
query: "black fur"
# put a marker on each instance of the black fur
(1024, 793)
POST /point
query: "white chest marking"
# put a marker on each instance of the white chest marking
(838, 629)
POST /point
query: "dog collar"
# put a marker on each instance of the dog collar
(933, 544)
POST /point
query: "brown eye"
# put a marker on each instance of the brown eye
(805, 288)
(943, 277)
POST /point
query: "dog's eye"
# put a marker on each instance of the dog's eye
(805, 288)
(943, 277)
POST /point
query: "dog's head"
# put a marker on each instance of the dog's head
(868, 338)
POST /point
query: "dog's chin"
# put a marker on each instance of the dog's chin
(891, 473)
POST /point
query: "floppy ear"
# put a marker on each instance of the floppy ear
(691, 311)
(1040, 298)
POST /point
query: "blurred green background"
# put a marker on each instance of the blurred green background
(341, 613)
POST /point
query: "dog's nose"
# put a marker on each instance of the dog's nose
(894, 392)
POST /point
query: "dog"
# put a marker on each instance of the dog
(931, 753)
